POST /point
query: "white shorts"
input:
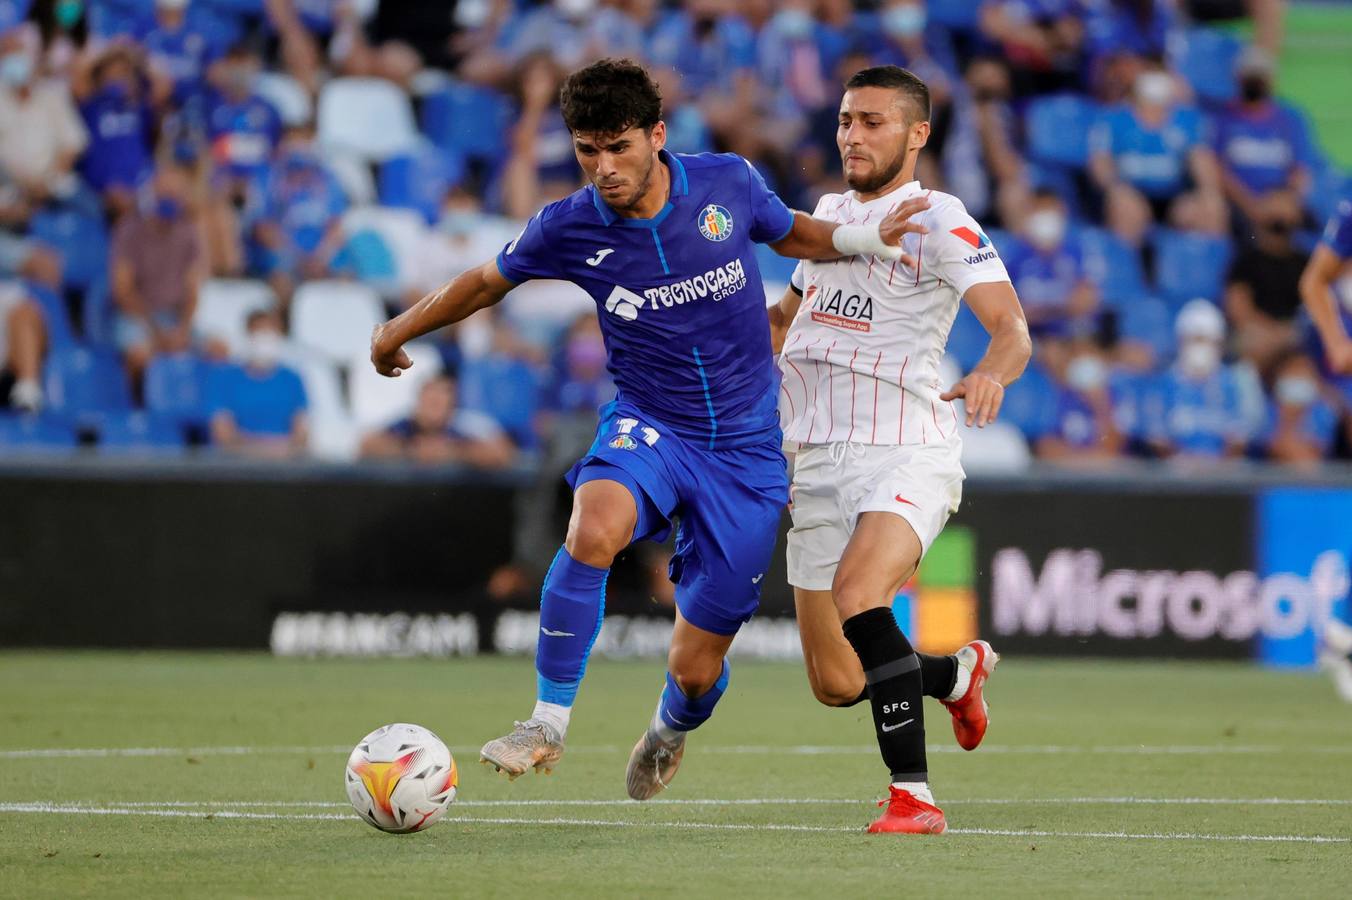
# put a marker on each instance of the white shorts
(834, 483)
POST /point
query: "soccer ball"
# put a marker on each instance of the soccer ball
(401, 778)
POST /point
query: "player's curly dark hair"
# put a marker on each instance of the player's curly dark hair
(898, 79)
(610, 96)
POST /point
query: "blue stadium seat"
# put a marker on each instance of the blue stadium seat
(1330, 185)
(1029, 402)
(55, 316)
(138, 433)
(774, 267)
(176, 389)
(471, 120)
(41, 433)
(82, 382)
(1189, 264)
(968, 339)
(1058, 129)
(506, 389)
(1111, 264)
(1147, 320)
(81, 239)
(1206, 57)
(419, 180)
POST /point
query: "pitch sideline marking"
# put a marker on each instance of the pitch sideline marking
(731, 802)
(699, 826)
(791, 750)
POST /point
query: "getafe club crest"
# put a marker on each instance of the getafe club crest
(623, 442)
(715, 222)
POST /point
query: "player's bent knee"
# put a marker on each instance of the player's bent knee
(595, 541)
(695, 678)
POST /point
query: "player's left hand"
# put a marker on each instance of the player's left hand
(981, 395)
(897, 225)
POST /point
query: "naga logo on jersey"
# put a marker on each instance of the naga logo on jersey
(715, 222)
(978, 242)
(834, 307)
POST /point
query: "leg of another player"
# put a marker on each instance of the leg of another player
(572, 605)
(883, 551)
(697, 676)
(833, 668)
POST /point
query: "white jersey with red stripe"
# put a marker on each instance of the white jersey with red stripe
(861, 358)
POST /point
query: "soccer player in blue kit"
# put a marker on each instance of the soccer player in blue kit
(1322, 285)
(663, 243)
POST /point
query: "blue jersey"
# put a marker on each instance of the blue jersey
(679, 296)
(1153, 160)
(1262, 148)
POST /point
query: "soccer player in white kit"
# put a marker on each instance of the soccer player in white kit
(877, 471)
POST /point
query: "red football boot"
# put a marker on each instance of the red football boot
(907, 815)
(970, 713)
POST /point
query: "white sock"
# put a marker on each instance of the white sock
(664, 731)
(553, 715)
(962, 682)
(917, 789)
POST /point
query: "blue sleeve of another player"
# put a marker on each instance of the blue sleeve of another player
(529, 256)
(1338, 233)
(770, 218)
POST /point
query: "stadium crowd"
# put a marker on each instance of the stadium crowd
(205, 205)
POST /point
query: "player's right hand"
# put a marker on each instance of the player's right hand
(389, 360)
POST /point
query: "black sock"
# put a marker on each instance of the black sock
(892, 673)
(939, 675)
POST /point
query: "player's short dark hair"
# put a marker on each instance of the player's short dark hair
(898, 79)
(609, 97)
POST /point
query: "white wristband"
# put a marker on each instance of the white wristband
(863, 240)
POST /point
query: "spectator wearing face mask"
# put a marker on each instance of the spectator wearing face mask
(121, 127)
(41, 133)
(1148, 157)
(1082, 424)
(243, 128)
(297, 223)
(1263, 145)
(441, 432)
(1197, 408)
(1057, 295)
(1301, 423)
(156, 271)
(259, 404)
(1262, 294)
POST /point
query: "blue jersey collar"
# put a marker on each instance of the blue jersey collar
(680, 186)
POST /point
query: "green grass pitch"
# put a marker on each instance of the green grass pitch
(1097, 778)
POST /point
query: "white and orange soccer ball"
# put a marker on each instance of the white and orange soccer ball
(401, 778)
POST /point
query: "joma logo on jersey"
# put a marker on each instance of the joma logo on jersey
(836, 308)
(716, 284)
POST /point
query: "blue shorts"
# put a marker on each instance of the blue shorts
(728, 502)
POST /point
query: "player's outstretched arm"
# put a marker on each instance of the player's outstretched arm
(458, 299)
(781, 317)
(811, 238)
(983, 390)
(1316, 291)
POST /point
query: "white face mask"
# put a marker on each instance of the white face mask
(1086, 373)
(264, 348)
(1296, 390)
(16, 68)
(1046, 228)
(1154, 88)
(1200, 358)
